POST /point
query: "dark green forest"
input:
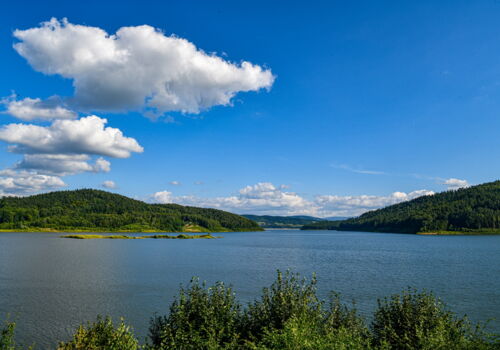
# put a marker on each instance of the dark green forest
(469, 210)
(94, 210)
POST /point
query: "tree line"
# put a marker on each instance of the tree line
(89, 209)
(473, 209)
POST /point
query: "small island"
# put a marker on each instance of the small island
(181, 236)
(468, 211)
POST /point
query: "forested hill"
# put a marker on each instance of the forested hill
(475, 209)
(94, 210)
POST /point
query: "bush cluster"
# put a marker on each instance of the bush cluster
(289, 315)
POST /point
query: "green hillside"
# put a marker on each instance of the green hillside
(98, 211)
(470, 210)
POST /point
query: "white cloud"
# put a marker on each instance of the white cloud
(266, 195)
(175, 183)
(162, 197)
(358, 170)
(24, 183)
(137, 68)
(66, 147)
(262, 197)
(62, 164)
(109, 184)
(455, 184)
(268, 199)
(83, 136)
(35, 109)
(331, 205)
(101, 165)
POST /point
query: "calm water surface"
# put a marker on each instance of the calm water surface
(50, 284)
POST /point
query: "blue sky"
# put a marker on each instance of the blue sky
(347, 106)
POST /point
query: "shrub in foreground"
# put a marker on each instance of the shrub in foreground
(102, 335)
(200, 318)
(289, 315)
(419, 320)
(288, 297)
(303, 333)
(7, 341)
(7, 336)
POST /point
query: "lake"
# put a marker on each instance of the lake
(50, 284)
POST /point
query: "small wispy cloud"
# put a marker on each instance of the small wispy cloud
(452, 183)
(455, 184)
(175, 183)
(109, 184)
(357, 170)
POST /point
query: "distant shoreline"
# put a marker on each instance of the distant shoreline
(457, 233)
(49, 230)
(434, 233)
(281, 229)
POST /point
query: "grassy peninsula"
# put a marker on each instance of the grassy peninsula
(98, 211)
(181, 236)
(473, 210)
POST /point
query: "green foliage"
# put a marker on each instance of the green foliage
(7, 341)
(93, 210)
(200, 318)
(341, 316)
(102, 335)
(303, 333)
(314, 327)
(475, 210)
(289, 296)
(289, 316)
(413, 320)
(7, 336)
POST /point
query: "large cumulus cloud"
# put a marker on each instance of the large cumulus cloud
(87, 135)
(136, 68)
(63, 164)
(65, 147)
(25, 182)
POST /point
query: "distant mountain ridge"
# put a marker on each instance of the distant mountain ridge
(89, 210)
(474, 209)
(274, 221)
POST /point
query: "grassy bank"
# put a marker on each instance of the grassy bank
(461, 233)
(181, 236)
(94, 230)
(288, 315)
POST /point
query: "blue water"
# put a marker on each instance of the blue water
(50, 285)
